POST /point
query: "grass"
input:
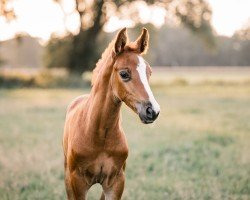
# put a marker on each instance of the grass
(43, 78)
(197, 149)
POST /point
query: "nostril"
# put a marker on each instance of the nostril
(149, 112)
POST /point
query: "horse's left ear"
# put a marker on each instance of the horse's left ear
(142, 42)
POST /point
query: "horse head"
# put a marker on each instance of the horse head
(131, 74)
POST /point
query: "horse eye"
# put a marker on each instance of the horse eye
(124, 75)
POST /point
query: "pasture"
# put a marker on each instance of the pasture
(199, 148)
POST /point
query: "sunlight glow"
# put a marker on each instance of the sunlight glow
(114, 23)
(41, 18)
(229, 15)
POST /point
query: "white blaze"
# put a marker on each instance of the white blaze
(142, 70)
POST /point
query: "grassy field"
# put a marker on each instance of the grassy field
(199, 148)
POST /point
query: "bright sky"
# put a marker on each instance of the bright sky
(41, 18)
(229, 15)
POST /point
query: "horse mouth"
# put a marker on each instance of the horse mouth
(145, 121)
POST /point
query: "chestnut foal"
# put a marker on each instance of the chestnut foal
(94, 144)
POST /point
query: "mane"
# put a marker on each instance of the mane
(102, 61)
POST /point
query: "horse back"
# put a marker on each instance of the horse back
(76, 102)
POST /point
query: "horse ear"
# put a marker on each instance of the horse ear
(142, 41)
(121, 41)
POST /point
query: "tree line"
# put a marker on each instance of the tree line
(79, 52)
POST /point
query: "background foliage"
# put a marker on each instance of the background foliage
(80, 52)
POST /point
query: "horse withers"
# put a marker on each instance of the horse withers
(94, 143)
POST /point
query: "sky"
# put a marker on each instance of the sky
(228, 16)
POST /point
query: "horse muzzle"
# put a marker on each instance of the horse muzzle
(146, 112)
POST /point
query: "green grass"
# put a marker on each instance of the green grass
(197, 149)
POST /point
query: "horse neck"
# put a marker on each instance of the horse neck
(104, 109)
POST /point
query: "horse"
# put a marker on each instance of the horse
(94, 144)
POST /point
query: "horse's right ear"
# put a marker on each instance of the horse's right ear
(121, 41)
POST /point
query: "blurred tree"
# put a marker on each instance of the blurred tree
(244, 35)
(194, 14)
(82, 50)
(6, 10)
(57, 52)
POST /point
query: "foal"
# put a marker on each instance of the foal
(94, 144)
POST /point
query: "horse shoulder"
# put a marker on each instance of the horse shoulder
(71, 112)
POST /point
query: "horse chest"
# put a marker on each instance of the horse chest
(99, 160)
(102, 168)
